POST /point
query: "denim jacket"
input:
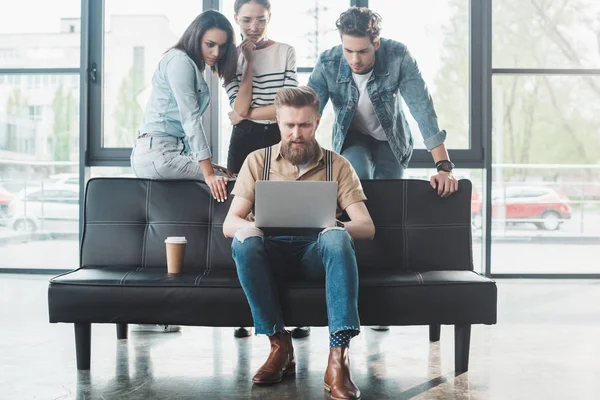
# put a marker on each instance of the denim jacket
(179, 98)
(395, 76)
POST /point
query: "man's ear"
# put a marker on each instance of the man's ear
(376, 43)
(236, 19)
(318, 121)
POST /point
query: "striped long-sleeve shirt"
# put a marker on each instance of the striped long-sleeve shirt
(274, 68)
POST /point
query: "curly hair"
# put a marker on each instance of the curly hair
(359, 21)
(191, 43)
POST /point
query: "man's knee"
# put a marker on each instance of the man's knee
(247, 243)
(245, 233)
(335, 238)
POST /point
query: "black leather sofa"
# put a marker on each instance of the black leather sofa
(417, 271)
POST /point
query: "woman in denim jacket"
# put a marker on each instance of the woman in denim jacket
(171, 142)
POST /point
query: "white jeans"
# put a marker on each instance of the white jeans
(163, 157)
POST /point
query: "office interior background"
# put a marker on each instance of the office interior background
(516, 84)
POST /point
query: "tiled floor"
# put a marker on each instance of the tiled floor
(545, 346)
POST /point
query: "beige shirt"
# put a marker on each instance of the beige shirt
(350, 190)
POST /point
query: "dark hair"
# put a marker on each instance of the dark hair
(191, 43)
(297, 97)
(239, 3)
(359, 21)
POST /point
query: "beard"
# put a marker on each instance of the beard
(308, 152)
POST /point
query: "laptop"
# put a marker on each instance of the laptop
(295, 208)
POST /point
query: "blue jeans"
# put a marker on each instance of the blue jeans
(163, 156)
(328, 257)
(371, 158)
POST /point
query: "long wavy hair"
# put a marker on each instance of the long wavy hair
(191, 43)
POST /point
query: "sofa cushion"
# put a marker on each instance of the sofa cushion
(215, 298)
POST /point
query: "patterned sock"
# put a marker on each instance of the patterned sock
(341, 338)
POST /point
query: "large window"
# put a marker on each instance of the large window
(136, 34)
(546, 186)
(546, 113)
(39, 134)
(40, 34)
(546, 34)
(439, 41)
(39, 180)
(541, 106)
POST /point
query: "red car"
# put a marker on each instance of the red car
(5, 198)
(542, 206)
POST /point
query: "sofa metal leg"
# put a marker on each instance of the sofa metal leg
(83, 342)
(121, 331)
(462, 341)
(434, 333)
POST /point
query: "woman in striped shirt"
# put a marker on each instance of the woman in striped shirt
(264, 67)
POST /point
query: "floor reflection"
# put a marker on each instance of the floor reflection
(232, 362)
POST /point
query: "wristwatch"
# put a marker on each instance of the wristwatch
(444, 165)
(339, 224)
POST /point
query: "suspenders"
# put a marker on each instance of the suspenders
(328, 164)
(267, 163)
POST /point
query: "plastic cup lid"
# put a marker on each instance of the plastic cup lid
(176, 240)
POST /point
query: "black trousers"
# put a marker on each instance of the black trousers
(248, 136)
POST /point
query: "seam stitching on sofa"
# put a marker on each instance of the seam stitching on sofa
(415, 273)
(420, 277)
(124, 277)
(148, 188)
(149, 223)
(211, 211)
(440, 226)
(199, 278)
(404, 230)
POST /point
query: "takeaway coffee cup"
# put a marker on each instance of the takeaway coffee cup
(175, 253)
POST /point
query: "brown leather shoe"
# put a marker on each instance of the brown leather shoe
(281, 361)
(338, 381)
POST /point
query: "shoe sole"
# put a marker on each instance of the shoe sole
(300, 335)
(328, 389)
(247, 333)
(288, 372)
(377, 329)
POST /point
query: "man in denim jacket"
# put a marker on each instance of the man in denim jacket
(366, 78)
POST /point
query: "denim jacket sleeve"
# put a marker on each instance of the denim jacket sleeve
(415, 94)
(319, 84)
(181, 75)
